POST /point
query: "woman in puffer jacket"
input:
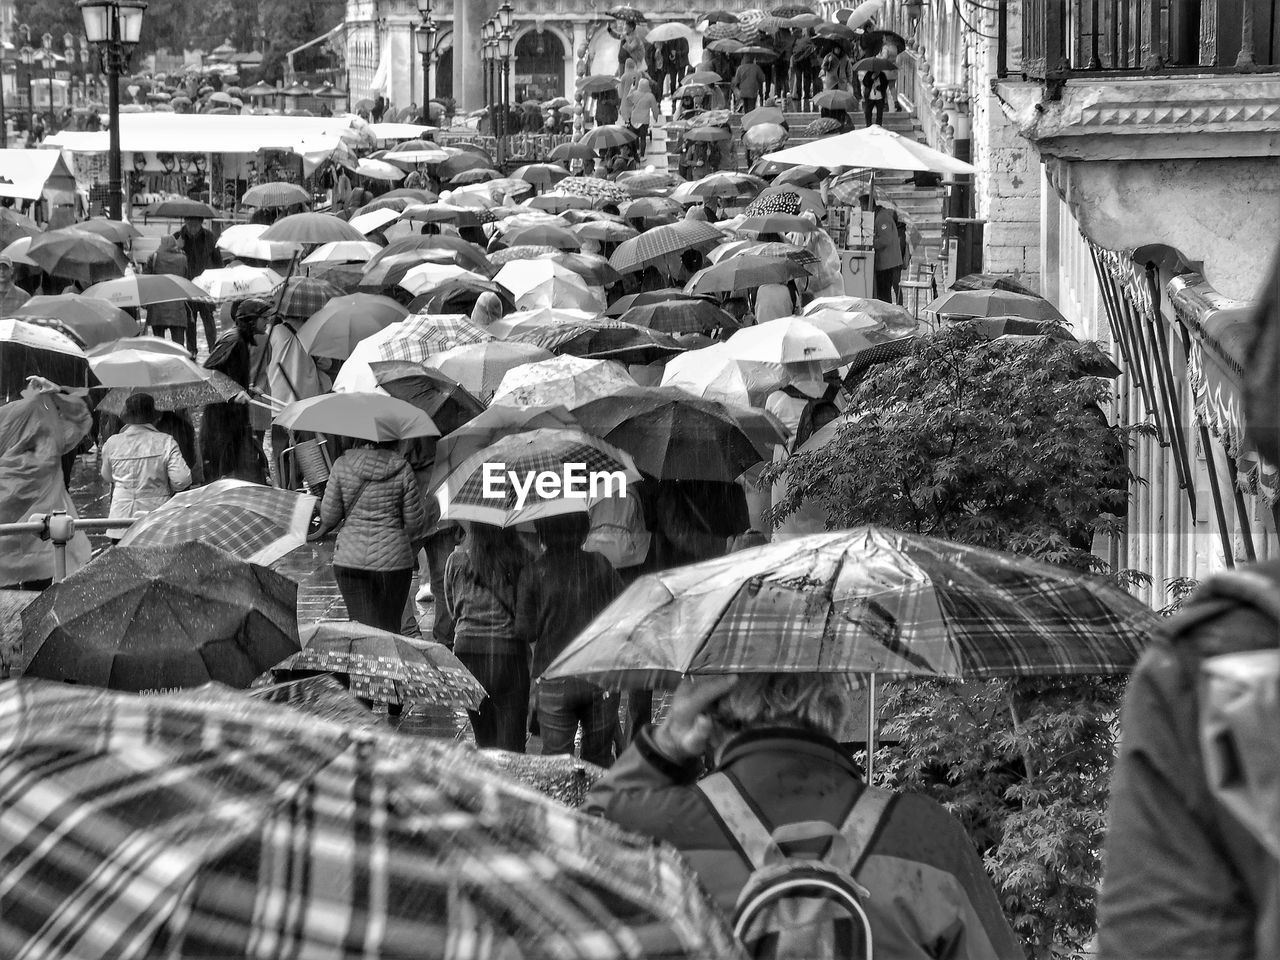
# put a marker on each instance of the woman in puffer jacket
(373, 493)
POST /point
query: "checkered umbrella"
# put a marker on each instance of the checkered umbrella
(154, 618)
(466, 493)
(479, 367)
(658, 243)
(607, 135)
(496, 422)
(303, 296)
(413, 340)
(386, 667)
(223, 826)
(255, 523)
(569, 381)
(676, 436)
(861, 601)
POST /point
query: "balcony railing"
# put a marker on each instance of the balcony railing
(1066, 38)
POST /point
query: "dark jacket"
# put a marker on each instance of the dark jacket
(375, 497)
(930, 896)
(201, 251)
(484, 614)
(559, 594)
(1184, 879)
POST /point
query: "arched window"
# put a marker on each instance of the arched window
(539, 66)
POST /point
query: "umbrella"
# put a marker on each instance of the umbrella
(861, 601)
(443, 399)
(545, 235)
(653, 211)
(147, 342)
(15, 226)
(236, 283)
(181, 209)
(140, 290)
(834, 31)
(474, 176)
(892, 315)
(650, 182)
(494, 423)
(714, 374)
(159, 618)
(776, 223)
(461, 163)
(522, 321)
(426, 276)
(366, 416)
(245, 240)
(453, 249)
(311, 228)
(557, 202)
(1098, 365)
(728, 45)
(275, 195)
(821, 127)
(704, 76)
(993, 303)
(605, 231)
(594, 269)
(873, 147)
(541, 173)
(87, 320)
(724, 185)
(680, 316)
(788, 198)
(763, 115)
(567, 380)
(378, 170)
(836, 100)
(765, 136)
(302, 297)
(253, 827)
(335, 329)
(567, 290)
(75, 255)
(807, 340)
(386, 667)
(645, 297)
(663, 32)
(738, 274)
(986, 281)
(413, 340)
(115, 231)
(343, 251)
(480, 367)
(252, 522)
(709, 134)
(589, 471)
(598, 190)
(577, 151)
(607, 135)
(380, 273)
(658, 243)
(525, 276)
(674, 435)
(450, 296)
(604, 340)
(174, 382)
(27, 349)
(366, 223)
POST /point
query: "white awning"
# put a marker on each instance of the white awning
(207, 133)
(26, 173)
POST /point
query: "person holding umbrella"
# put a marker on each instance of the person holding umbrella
(748, 80)
(201, 249)
(144, 466)
(227, 443)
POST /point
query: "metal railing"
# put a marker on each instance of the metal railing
(1091, 38)
(59, 528)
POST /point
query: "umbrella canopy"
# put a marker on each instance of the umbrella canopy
(245, 240)
(524, 276)
(597, 83)
(658, 243)
(605, 231)
(378, 170)
(571, 292)
(15, 226)
(525, 320)
(466, 493)
(547, 235)
(607, 135)
(116, 231)
(413, 340)
(427, 276)
(441, 248)
(987, 281)
(836, 100)
(76, 255)
(541, 174)
(343, 251)
(145, 342)
(180, 208)
(873, 147)
(311, 228)
(27, 349)
(237, 283)
(386, 667)
(365, 416)
(592, 268)
(807, 340)
(87, 320)
(861, 601)
(680, 316)
(443, 399)
(159, 618)
(174, 382)
(760, 115)
(254, 827)
(604, 339)
(336, 328)
(252, 522)
(568, 381)
(302, 297)
(713, 373)
(736, 274)
(366, 223)
(480, 367)
(993, 303)
(275, 195)
(494, 423)
(141, 290)
(674, 435)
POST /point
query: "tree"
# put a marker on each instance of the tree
(1000, 444)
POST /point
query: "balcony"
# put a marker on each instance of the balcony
(1066, 39)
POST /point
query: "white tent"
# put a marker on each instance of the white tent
(873, 147)
(27, 173)
(209, 133)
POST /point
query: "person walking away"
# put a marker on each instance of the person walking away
(607, 104)
(776, 766)
(201, 250)
(627, 79)
(643, 108)
(228, 446)
(144, 466)
(557, 595)
(171, 318)
(780, 69)
(747, 82)
(287, 373)
(373, 495)
(12, 296)
(36, 430)
(874, 84)
(888, 252)
(480, 583)
(1192, 854)
(773, 300)
(804, 59)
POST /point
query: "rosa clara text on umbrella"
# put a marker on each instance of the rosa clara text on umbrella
(573, 481)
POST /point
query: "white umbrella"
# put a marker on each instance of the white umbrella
(245, 240)
(872, 147)
(539, 317)
(427, 275)
(235, 283)
(521, 276)
(366, 223)
(714, 373)
(411, 340)
(569, 381)
(153, 344)
(563, 292)
(38, 337)
(378, 170)
(343, 251)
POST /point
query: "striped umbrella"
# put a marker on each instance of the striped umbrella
(275, 195)
(607, 135)
(311, 228)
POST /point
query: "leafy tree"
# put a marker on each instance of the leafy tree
(1000, 444)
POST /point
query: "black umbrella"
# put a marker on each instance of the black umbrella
(987, 281)
(184, 208)
(450, 296)
(160, 618)
(442, 398)
(680, 316)
(623, 304)
(603, 340)
(462, 252)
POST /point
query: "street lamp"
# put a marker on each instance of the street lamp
(504, 56)
(116, 26)
(488, 51)
(28, 57)
(427, 49)
(69, 54)
(50, 61)
(504, 16)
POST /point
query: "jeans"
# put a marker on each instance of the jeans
(205, 312)
(642, 141)
(748, 104)
(873, 108)
(500, 721)
(375, 597)
(562, 705)
(886, 284)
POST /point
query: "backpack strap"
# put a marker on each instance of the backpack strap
(862, 826)
(738, 819)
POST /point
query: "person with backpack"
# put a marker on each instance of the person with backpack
(785, 836)
(1193, 839)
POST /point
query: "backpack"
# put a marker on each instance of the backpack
(800, 906)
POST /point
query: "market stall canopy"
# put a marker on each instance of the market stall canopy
(873, 147)
(208, 133)
(26, 173)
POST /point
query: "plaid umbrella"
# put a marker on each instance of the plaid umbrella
(252, 522)
(385, 666)
(862, 601)
(153, 618)
(336, 328)
(496, 422)
(480, 367)
(443, 399)
(76, 255)
(607, 135)
(311, 228)
(413, 340)
(604, 340)
(737, 274)
(365, 416)
(680, 316)
(189, 827)
(141, 290)
(275, 194)
(303, 296)
(674, 435)
(658, 243)
(466, 492)
(569, 381)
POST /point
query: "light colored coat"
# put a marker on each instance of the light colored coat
(145, 468)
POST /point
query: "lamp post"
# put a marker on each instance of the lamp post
(503, 20)
(487, 51)
(28, 57)
(427, 50)
(50, 61)
(115, 25)
(69, 54)
(4, 120)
